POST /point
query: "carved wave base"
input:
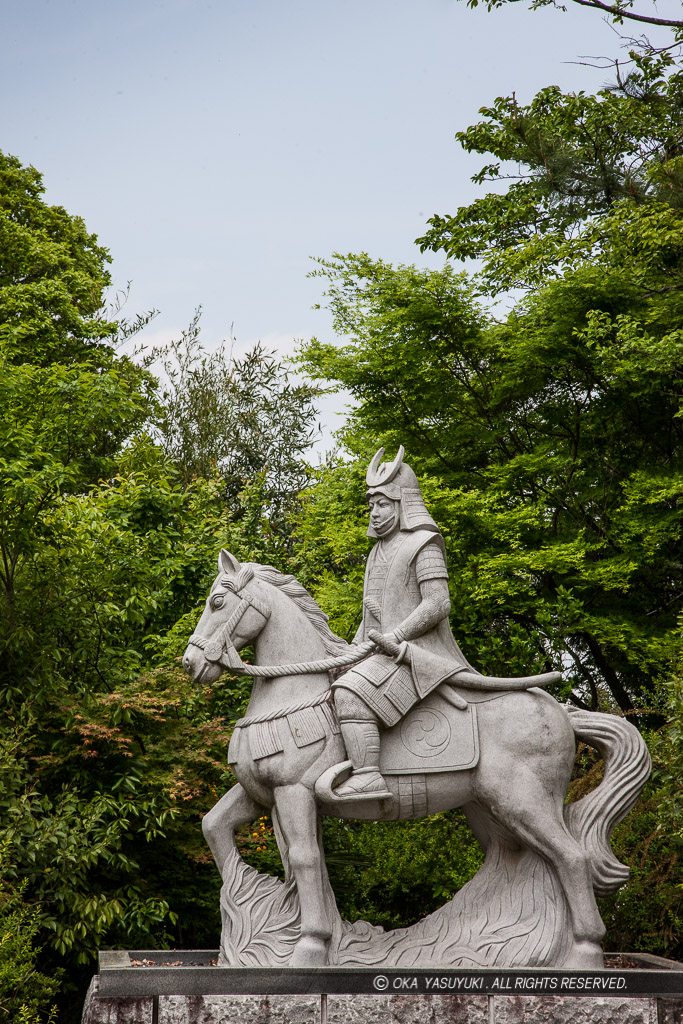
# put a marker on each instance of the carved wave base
(511, 914)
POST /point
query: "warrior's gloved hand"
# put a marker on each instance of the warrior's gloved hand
(386, 642)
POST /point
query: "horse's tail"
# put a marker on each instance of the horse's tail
(592, 819)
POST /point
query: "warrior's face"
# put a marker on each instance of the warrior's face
(384, 514)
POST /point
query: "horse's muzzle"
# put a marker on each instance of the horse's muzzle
(198, 668)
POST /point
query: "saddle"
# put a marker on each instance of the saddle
(440, 732)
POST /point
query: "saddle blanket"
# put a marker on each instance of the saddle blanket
(433, 737)
(262, 739)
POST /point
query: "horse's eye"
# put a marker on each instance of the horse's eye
(217, 601)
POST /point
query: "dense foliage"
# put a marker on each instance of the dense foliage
(24, 991)
(552, 439)
(108, 541)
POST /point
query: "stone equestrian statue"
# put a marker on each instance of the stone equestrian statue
(500, 748)
(405, 602)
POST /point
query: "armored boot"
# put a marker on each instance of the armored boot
(362, 744)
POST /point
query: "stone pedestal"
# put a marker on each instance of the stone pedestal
(379, 1009)
(188, 987)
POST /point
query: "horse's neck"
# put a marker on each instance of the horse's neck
(289, 636)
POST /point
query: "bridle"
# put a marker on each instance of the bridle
(221, 649)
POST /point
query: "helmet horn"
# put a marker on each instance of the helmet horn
(383, 474)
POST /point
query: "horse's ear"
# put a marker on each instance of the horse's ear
(227, 562)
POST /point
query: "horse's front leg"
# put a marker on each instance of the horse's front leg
(234, 809)
(297, 814)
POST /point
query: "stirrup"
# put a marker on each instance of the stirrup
(363, 784)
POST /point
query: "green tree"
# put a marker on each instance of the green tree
(548, 440)
(25, 993)
(551, 448)
(60, 428)
(100, 545)
(571, 159)
(53, 276)
(108, 755)
(91, 775)
(242, 420)
(555, 432)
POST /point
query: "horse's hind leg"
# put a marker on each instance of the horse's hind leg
(234, 809)
(298, 818)
(523, 804)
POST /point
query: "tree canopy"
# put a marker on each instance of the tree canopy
(53, 275)
(555, 444)
(241, 419)
(583, 169)
(547, 437)
(556, 428)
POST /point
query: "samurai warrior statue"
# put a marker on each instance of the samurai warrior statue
(406, 605)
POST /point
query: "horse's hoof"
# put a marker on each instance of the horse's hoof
(585, 956)
(309, 952)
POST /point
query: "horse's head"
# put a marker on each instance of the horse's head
(233, 615)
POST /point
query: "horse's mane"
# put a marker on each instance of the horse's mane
(300, 596)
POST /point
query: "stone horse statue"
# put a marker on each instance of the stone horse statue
(502, 749)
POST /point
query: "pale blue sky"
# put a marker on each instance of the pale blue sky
(216, 147)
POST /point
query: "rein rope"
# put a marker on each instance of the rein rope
(223, 651)
(304, 667)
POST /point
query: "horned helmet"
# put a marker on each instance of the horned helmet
(397, 481)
